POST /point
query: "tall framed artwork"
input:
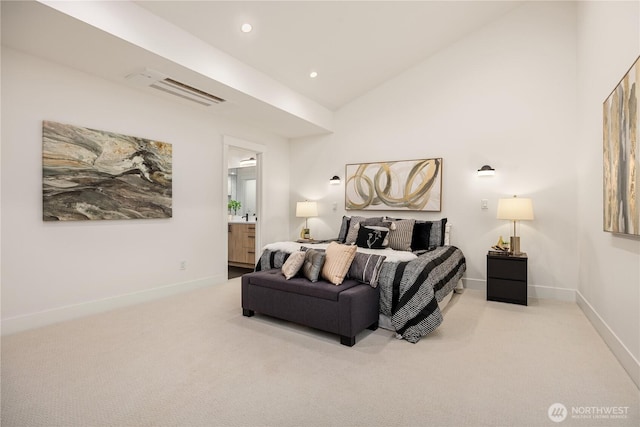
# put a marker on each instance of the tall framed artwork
(414, 185)
(90, 174)
(621, 155)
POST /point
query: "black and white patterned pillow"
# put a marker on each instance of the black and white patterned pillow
(354, 225)
(437, 235)
(366, 268)
(372, 237)
(400, 234)
(271, 259)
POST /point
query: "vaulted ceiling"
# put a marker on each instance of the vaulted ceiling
(354, 46)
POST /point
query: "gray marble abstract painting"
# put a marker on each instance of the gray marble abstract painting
(90, 174)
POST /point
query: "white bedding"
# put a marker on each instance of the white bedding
(391, 254)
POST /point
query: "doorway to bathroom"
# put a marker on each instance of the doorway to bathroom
(243, 204)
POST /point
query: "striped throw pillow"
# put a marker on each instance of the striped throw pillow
(400, 234)
(366, 268)
(337, 262)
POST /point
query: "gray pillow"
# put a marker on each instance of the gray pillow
(352, 231)
(344, 227)
(313, 262)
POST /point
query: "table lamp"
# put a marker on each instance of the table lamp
(515, 209)
(306, 210)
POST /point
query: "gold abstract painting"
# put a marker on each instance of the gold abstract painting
(622, 156)
(397, 185)
(90, 174)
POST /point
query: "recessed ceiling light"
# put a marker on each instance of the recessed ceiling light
(313, 74)
(246, 28)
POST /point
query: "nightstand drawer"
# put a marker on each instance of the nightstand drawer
(513, 291)
(508, 268)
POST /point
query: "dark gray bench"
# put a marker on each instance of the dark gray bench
(345, 309)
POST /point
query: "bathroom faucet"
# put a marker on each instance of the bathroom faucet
(246, 217)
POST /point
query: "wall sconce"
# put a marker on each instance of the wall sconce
(335, 180)
(486, 170)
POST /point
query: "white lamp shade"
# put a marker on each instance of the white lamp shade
(306, 209)
(515, 209)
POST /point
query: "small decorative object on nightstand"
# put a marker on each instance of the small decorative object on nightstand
(507, 278)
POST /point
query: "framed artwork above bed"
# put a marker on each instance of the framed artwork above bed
(414, 185)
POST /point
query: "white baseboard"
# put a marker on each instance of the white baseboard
(60, 314)
(622, 353)
(544, 292)
(476, 284)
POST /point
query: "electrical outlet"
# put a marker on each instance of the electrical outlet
(183, 265)
(484, 204)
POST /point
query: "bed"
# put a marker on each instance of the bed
(415, 279)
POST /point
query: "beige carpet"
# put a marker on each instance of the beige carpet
(193, 360)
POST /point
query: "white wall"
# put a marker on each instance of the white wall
(524, 94)
(609, 265)
(503, 96)
(52, 271)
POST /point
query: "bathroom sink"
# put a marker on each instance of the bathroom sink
(238, 218)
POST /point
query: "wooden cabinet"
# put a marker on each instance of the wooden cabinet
(507, 278)
(242, 245)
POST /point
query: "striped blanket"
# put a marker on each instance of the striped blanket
(410, 291)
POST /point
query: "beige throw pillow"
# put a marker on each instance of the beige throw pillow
(293, 264)
(338, 260)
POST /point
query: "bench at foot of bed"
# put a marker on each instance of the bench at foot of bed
(345, 310)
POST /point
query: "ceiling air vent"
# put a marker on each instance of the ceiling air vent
(166, 84)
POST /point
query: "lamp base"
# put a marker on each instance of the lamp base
(305, 234)
(514, 245)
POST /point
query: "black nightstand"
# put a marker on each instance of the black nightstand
(507, 278)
